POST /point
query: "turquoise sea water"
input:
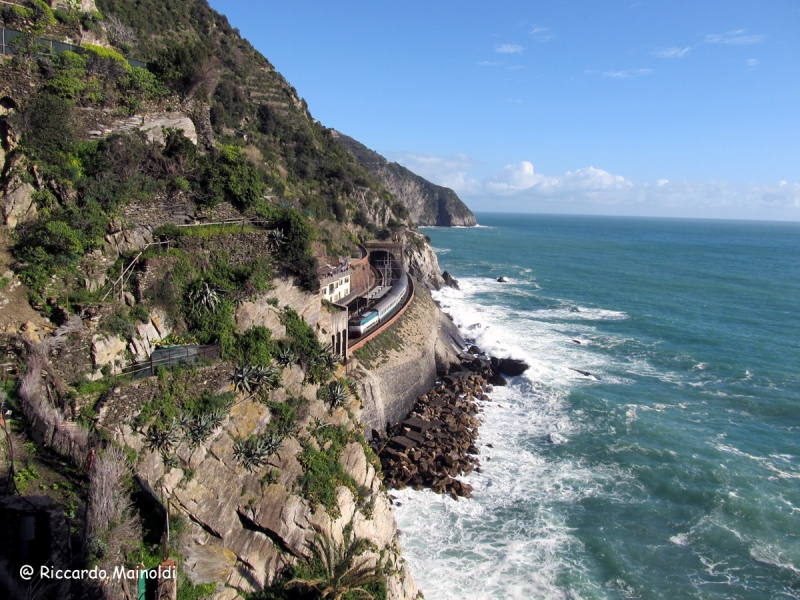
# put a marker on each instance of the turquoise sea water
(673, 471)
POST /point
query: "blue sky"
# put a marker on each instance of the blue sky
(662, 108)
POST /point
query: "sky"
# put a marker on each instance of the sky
(644, 108)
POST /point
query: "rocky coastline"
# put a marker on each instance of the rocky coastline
(437, 442)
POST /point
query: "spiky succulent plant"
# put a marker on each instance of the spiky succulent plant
(162, 438)
(254, 451)
(248, 378)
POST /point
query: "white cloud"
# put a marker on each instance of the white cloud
(541, 34)
(737, 36)
(489, 63)
(509, 48)
(630, 73)
(522, 177)
(520, 188)
(672, 52)
(752, 62)
(595, 191)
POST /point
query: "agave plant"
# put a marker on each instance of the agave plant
(162, 439)
(328, 358)
(198, 428)
(343, 571)
(353, 389)
(285, 356)
(204, 298)
(254, 451)
(276, 238)
(338, 394)
(249, 378)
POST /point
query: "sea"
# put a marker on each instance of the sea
(652, 450)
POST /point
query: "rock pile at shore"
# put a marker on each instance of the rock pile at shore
(437, 442)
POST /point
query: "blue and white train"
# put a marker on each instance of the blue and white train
(383, 309)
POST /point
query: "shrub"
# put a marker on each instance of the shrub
(179, 64)
(68, 80)
(302, 338)
(254, 347)
(105, 61)
(229, 176)
(323, 472)
(142, 83)
(294, 248)
(49, 133)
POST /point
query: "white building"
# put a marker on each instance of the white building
(334, 282)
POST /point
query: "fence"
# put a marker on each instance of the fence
(8, 35)
(171, 356)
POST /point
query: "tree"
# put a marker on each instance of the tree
(342, 570)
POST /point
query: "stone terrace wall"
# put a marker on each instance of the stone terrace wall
(393, 382)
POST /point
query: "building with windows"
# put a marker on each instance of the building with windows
(334, 282)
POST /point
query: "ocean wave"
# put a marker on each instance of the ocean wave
(512, 540)
(579, 313)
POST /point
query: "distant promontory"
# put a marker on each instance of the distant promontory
(428, 203)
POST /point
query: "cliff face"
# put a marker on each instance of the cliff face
(428, 203)
(421, 262)
(246, 527)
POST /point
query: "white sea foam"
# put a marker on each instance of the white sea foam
(682, 539)
(511, 540)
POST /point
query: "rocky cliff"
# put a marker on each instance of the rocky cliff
(248, 525)
(428, 203)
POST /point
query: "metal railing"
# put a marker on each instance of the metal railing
(171, 356)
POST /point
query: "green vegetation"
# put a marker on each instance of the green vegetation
(338, 571)
(254, 451)
(323, 470)
(189, 591)
(24, 477)
(376, 351)
(335, 570)
(318, 361)
(335, 393)
(174, 414)
(251, 378)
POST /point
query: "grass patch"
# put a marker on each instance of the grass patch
(376, 351)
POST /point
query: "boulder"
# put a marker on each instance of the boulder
(129, 240)
(502, 280)
(106, 350)
(18, 205)
(512, 366)
(154, 128)
(497, 379)
(449, 280)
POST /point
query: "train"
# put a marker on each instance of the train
(383, 309)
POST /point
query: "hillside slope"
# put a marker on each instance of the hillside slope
(428, 203)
